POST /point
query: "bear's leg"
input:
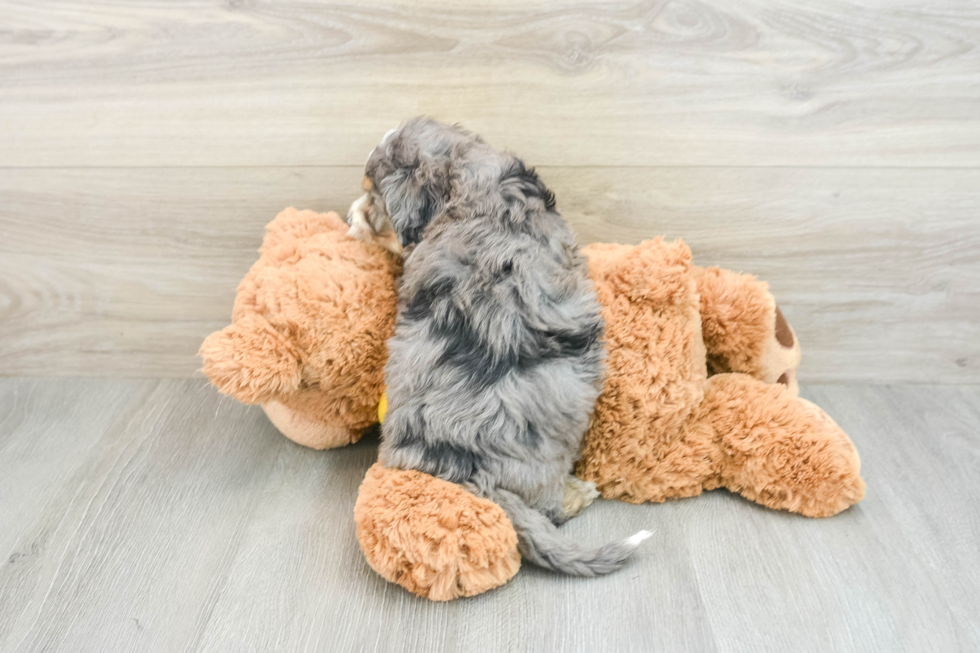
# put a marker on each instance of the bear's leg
(639, 447)
(779, 450)
(432, 537)
(672, 456)
(744, 330)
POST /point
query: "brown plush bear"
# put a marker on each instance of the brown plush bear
(700, 393)
(308, 331)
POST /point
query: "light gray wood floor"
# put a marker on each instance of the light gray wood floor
(156, 516)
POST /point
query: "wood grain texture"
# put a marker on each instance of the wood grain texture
(155, 516)
(123, 272)
(138, 493)
(833, 148)
(660, 82)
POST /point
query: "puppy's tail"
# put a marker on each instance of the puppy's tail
(540, 542)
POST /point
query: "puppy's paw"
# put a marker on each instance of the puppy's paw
(578, 495)
(359, 218)
(360, 228)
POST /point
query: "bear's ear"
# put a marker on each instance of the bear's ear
(251, 361)
(292, 225)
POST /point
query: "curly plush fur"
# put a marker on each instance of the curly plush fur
(496, 359)
(308, 331)
(663, 429)
(745, 330)
(432, 537)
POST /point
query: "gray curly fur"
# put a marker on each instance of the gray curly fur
(496, 360)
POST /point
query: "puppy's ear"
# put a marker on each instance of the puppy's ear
(413, 195)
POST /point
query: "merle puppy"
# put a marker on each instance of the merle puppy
(496, 360)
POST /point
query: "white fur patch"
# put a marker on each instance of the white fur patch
(639, 537)
(383, 141)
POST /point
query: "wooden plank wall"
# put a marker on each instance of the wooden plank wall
(832, 148)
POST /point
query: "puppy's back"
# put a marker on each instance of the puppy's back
(496, 360)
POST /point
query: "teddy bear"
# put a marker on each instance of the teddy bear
(308, 331)
(700, 393)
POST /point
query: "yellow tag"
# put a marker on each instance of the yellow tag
(382, 407)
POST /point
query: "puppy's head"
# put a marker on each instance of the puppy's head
(407, 180)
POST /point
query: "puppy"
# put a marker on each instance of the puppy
(496, 360)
